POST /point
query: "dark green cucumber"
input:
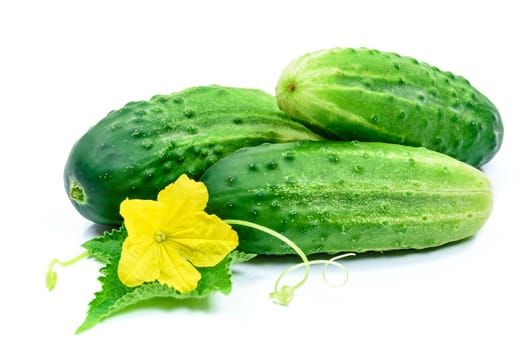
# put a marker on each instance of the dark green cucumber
(136, 151)
(368, 95)
(330, 196)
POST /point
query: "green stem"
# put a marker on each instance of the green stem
(283, 296)
(51, 276)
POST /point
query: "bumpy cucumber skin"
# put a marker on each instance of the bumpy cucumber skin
(136, 151)
(368, 95)
(330, 196)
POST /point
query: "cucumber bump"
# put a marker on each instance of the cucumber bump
(337, 196)
(369, 95)
(137, 150)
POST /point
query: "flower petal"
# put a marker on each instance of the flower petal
(185, 196)
(167, 236)
(177, 272)
(204, 240)
(139, 261)
(142, 217)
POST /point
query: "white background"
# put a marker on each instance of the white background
(65, 64)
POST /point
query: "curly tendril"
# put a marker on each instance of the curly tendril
(51, 276)
(284, 295)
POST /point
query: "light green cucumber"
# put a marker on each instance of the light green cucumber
(368, 95)
(336, 196)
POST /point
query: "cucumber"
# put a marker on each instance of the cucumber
(343, 196)
(368, 95)
(137, 150)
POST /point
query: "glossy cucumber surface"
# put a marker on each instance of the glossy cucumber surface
(335, 196)
(136, 151)
(369, 95)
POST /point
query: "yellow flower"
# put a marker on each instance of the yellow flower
(168, 237)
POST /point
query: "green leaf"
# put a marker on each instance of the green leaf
(108, 246)
(115, 296)
(240, 257)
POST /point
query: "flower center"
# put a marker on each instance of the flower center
(160, 237)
